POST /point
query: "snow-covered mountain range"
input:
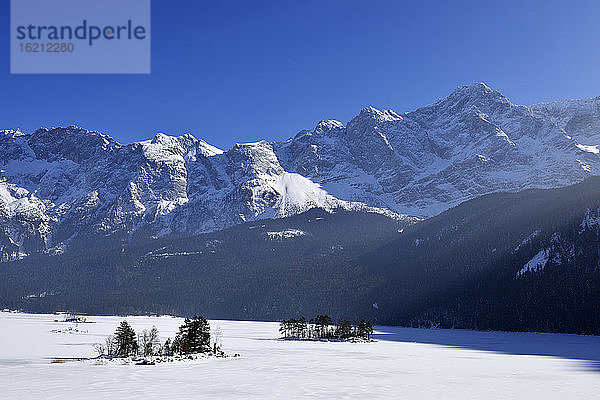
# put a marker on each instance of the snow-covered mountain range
(56, 184)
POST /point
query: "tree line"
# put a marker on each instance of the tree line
(322, 327)
(193, 337)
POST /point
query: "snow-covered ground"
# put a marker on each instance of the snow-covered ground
(404, 363)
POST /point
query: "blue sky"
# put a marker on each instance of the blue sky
(239, 71)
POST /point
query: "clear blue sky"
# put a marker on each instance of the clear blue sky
(239, 71)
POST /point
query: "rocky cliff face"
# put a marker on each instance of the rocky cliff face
(473, 142)
(580, 119)
(60, 183)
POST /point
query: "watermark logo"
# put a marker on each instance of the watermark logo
(80, 36)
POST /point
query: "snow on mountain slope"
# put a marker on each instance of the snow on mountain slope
(63, 182)
(579, 118)
(247, 183)
(538, 261)
(24, 227)
(473, 142)
(81, 182)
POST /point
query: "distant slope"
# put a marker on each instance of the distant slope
(506, 261)
(259, 270)
(580, 119)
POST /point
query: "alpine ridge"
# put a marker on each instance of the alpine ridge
(63, 183)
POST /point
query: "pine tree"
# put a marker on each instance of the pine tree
(322, 322)
(284, 328)
(344, 329)
(364, 329)
(167, 349)
(194, 336)
(176, 346)
(300, 328)
(125, 341)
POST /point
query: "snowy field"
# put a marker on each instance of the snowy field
(404, 363)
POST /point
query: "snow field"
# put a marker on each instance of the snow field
(404, 363)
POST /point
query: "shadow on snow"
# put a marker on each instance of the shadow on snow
(577, 347)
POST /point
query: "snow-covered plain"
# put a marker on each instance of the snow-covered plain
(403, 363)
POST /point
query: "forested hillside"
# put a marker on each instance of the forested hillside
(261, 270)
(506, 261)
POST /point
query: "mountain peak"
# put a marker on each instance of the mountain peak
(71, 131)
(324, 126)
(476, 89)
(328, 125)
(208, 150)
(189, 136)
(12, 132)
(477, 94)
(479, 86)
(370, 112)
(164, 138)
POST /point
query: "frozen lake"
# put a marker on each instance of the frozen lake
(404, 363)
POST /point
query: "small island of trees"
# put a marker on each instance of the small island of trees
(192, 340)
(321, 327)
